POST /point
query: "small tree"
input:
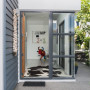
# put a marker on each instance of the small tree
(79, 37)
(86, 40)
(83, 16)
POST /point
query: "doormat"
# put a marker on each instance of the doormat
(42, 84)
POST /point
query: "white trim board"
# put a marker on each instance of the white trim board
(2, 45)
(65, 80)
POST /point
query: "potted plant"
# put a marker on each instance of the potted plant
(76, 67)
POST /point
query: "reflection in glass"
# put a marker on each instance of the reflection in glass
(68, 25)
(63, 45)
(62, 67)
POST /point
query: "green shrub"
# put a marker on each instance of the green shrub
(88, 63)
(86, 54)
(78, 46)
(86, 44)
(79, 37)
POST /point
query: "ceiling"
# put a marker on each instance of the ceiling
(41, 15)
(37, 18)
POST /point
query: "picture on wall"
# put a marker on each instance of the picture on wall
(38, 37)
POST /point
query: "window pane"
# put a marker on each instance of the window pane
(63, 67)
(63, 45)
(63, 22)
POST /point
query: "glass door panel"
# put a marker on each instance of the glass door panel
(62, 69)
(63, 45)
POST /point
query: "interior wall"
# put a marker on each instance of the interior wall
(55, 48)
(65, 17)
(36, 24)
(32, 48)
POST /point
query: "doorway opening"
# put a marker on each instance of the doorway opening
(36, 45)
(47, 45)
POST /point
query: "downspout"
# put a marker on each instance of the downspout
(4, 42)
(2, 45)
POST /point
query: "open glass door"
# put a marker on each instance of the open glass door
(35, 59)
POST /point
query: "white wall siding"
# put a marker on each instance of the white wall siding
(1, 46)
(60, 5)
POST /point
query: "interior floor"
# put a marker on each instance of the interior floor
(42, 71)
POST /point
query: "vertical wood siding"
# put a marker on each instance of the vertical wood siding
(11, 61)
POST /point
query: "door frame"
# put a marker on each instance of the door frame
(23, 43)
(50, 47)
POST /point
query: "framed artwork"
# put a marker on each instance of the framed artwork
(39, 37)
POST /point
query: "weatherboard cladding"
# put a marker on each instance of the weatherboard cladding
(11, 61)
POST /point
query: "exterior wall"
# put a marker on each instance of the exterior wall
(52, 5)
(11, 61)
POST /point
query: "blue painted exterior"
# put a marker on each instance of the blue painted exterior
(11, 67)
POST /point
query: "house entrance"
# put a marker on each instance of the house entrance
(47, 51)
